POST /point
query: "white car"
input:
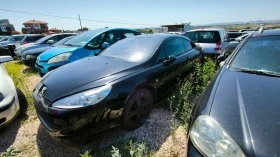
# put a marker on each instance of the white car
(12, 100)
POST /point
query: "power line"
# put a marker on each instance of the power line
(64, 17)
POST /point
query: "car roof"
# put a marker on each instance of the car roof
(272, 32)
(110, 29)
(36, 35)
(207, 29)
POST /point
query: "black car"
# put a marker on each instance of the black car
(29, 57)
(238, 113)
(119, 86)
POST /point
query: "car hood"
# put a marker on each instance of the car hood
(247, 107)
(55, 51)
(5, 43)
(36, 51)
(85, 74)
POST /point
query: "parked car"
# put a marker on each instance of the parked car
(211, 39)
(4, 38)
(45, 42)
(4, 51)
(228, 49)
(238, 113)
(12, 100)
(29, 56)
(83, 45)
(30, 38)
(119, 86)
(13, 40)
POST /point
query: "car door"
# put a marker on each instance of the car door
(166, 73)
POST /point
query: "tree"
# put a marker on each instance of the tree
(146, 31)
(23, 31)
(84, 29)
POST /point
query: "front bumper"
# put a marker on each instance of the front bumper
(29, 62)
(75, 122)
(8, 111)
(43, 67)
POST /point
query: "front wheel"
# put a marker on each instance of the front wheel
(137, 109)
(23, 104)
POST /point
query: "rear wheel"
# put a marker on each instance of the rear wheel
(137, 109)
(23, 104)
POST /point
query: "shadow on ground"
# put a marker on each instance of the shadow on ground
(29, 70)
(8, 133)
(154, 133)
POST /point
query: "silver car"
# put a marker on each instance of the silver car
(12, 100)
(211, 39)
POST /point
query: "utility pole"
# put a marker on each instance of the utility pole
(80, 22)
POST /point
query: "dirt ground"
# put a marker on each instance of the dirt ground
(29, 136)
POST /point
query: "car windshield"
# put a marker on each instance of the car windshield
(62, 41)
(134, 49)
(204, 36)
(82, 39)
(44, 39)
(259, 54)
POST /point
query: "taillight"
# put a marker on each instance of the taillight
(218, 45)
(24, 43)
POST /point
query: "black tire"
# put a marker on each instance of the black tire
(23, 104)
(137, 109)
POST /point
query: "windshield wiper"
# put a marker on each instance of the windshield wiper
(260, 72)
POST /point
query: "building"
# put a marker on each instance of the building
(54, 30)
(6, 28)
(35, 27)
(178, 27)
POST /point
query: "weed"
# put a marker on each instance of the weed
(11, 152)
(87, 154)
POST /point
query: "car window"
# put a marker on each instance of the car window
(112, 37)
(54, 38)
(128, 33)
(18, 38)
(259, 53)
(96, 42)
(204, 36)
(174, 47)
(187, 44)
(162, 55)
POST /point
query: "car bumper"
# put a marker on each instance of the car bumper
(29, 62)
(192, 151)
(76, 122)
(44, 67)
(9, 110)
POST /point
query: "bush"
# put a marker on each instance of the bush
(182, 99)
(11, 152)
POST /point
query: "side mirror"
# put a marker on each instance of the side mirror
(105, 45)
(50, 42)
(169, 60)
(5, 59)
(220, 58)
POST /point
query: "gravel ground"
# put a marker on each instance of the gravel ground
(28, 135)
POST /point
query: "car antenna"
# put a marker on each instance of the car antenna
(260, 29)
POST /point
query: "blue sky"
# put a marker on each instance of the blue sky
(150, 12)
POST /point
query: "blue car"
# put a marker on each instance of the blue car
(43, 43)
(83, 45)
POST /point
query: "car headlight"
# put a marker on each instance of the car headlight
(30, 56)
(211, 140)
(60, 58)
(83, 99)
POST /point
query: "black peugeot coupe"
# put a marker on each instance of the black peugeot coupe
(239, 112)
(119, 86)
